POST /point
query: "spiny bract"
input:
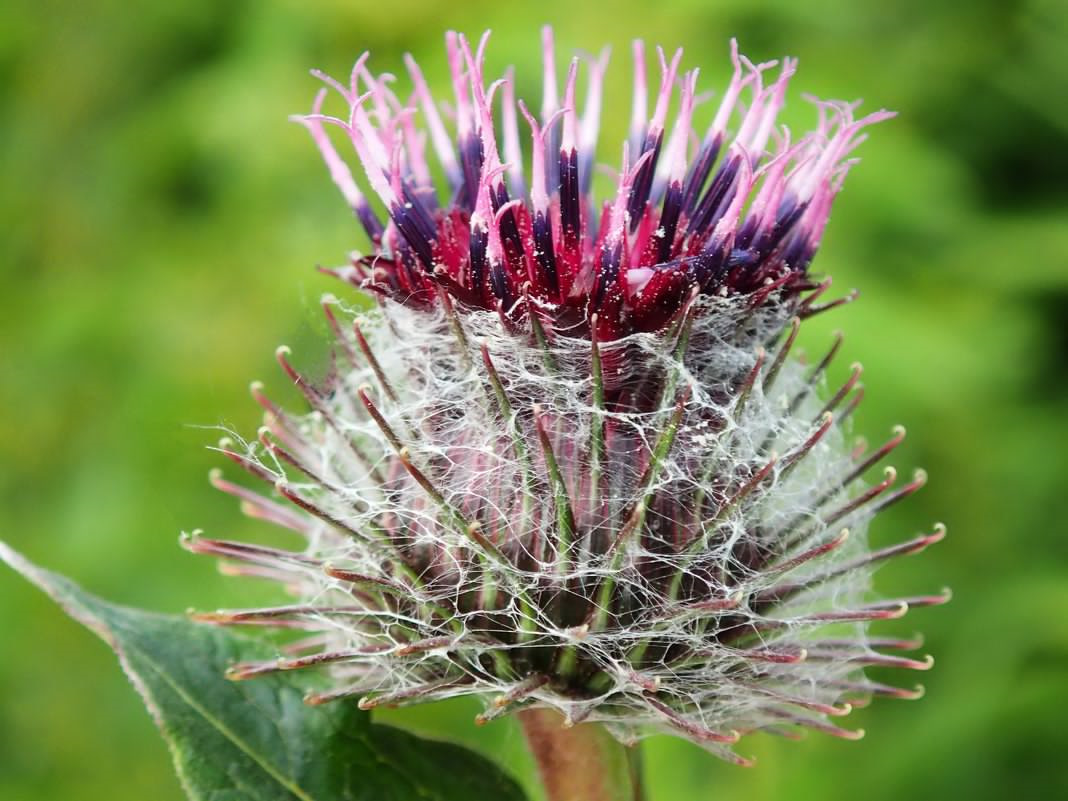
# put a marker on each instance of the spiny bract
(569, 461)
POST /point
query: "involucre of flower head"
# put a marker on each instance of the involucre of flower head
(570, 460)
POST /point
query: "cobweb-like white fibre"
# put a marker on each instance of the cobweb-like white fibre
(502, 596)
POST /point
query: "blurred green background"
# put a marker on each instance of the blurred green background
(161, 222)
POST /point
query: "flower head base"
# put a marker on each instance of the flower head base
(570, 461)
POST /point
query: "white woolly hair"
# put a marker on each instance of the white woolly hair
(711, 587)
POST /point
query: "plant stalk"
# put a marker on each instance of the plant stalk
(583, 762)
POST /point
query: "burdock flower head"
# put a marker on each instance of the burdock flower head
(570, 461)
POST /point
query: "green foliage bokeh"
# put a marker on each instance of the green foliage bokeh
(161, 223)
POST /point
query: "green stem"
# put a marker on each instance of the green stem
(582, 762)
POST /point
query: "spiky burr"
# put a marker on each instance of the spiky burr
(570, 461)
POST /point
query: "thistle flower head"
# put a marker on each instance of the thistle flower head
(570, 459)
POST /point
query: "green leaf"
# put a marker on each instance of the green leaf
(256, 740)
